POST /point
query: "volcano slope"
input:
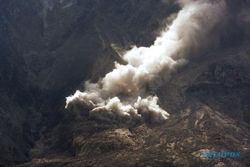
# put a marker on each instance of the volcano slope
(47, 48)
(206, 98)
(62, 43)
(208, 102)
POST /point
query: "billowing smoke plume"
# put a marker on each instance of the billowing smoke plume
(122, 93)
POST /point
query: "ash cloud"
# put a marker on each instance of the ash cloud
(122, 94)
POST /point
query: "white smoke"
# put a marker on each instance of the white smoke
(122, 93)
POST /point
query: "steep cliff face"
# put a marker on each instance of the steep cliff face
(49, 47)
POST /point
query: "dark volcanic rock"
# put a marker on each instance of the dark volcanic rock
(221, 86)
(179, 142)
(48, 47)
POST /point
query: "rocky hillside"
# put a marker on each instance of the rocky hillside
(49, 47)
(206, 114)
